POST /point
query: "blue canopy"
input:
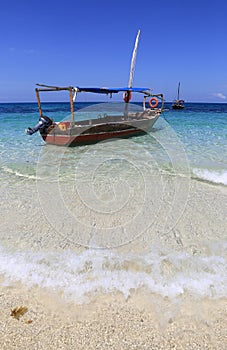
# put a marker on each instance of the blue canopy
(105, 90)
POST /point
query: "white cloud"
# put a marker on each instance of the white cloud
(220, 95)
(19, 51)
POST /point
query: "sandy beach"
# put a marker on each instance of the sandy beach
(141, 320)
(118, 243)
(110, 323)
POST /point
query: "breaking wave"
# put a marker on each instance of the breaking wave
(211, 176)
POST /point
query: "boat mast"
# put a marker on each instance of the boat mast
(133, 61)
(178, 95)
(131, 74)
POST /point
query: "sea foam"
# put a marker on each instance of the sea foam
(212, 176)
(82, 276)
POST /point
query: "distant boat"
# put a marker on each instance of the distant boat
(178, 104)
(104, 125)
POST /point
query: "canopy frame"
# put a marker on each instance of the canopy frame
(104, 90)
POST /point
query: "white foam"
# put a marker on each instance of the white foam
(213, 176)
(82, 276)
(17, 173)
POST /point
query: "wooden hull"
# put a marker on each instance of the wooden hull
(64, 135)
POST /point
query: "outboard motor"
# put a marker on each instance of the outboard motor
(44, 123)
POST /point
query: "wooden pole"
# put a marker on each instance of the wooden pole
(71, 105)
(131, 74)
(133, 61)
(39, 103)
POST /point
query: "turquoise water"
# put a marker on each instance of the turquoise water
(118, 216)
(201, 129)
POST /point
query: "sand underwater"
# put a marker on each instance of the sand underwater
(113, 246)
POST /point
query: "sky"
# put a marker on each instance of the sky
(90, 43)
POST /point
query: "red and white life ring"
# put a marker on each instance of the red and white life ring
(127, 96)
(153, 102)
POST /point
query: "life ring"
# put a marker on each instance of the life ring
(151, 104)
(127, 96)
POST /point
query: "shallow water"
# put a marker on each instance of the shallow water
(117, 216)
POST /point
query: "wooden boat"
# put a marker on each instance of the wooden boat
(109, 123)
(178, 104)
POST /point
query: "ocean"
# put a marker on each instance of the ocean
(144, 215)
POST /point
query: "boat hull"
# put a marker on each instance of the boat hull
(178, 104)
(177, 107)
(64, 135)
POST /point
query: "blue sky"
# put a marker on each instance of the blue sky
(89, 43)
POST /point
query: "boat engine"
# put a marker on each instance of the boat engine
(44, 123)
